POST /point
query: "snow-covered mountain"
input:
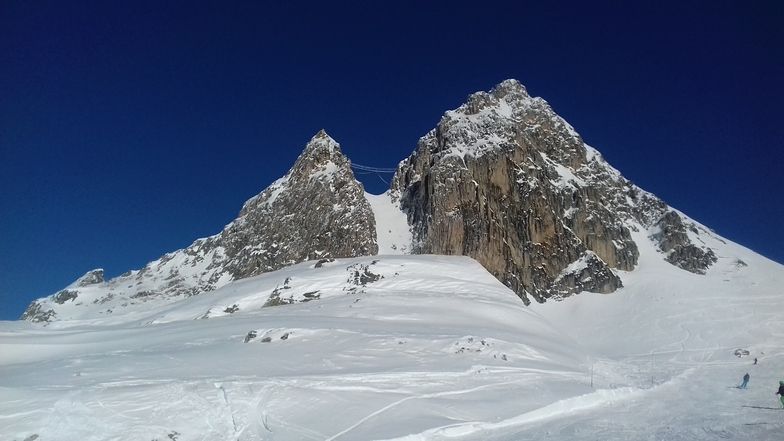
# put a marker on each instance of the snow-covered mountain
(505, 180)
(502, 179)
(325, 313)
(318, 210)
(412, 347)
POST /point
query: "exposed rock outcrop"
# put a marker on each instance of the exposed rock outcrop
(501, 179)
(318, 210)
(673, 240)
(505, 180)
(91, 278)
(36, 313)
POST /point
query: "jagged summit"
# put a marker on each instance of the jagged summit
(511, 92)
(505, 180)
(321, 159)
(317, 210)
(507, 87)
(501, 117)
(323, 148)
(502, 179)
(273, 226)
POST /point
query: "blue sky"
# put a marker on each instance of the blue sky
(130, 129)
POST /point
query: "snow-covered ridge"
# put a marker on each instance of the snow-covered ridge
(269, 233)
(507, 181)
(491, 120)
(411, 348)
(502, 179)
(292, 342)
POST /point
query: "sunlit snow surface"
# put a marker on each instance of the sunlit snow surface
(428, 348)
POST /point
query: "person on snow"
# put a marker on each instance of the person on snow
(745, 381)
(781, 392)
(755, 360)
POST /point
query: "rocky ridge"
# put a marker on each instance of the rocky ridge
(270, 233)
(501, 179)
(505, 180)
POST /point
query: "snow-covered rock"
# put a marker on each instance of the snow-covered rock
(318, 210)
(413, 347)
(505, 180)
(419, 347)
(502, 179)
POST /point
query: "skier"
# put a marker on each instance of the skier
(781, 392)
(755, 360)
(745, 381)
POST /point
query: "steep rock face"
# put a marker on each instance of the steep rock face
(317, 210)
(673, 239)
(501, 179)
(505, 180)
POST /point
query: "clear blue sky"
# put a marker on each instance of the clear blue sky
(130, 130)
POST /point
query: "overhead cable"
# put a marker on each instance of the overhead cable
(373, 169)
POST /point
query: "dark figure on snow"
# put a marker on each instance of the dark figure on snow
(745, 381)
(755, 360)
(781, 392)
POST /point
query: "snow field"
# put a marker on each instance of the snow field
(413, 348)
(436, 341)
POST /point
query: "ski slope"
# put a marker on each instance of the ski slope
(435, 340)
(400, 347)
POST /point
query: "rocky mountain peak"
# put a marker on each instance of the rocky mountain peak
(509, 87)
(272, 229)
(318, 210)
(322, 154)
(322, 148)
(507, 93)
(505, 180)
(502, 179)
(320, 164)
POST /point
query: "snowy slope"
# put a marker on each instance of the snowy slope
(316, 210)
(673, 335)
(412, 348)
(415, 348)
(433, 342)
(408, 347)
(393, 233)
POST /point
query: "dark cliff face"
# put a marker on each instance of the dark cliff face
(317, 210)
(506, 181)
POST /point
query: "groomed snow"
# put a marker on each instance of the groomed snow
(434, 342)
(428, 348)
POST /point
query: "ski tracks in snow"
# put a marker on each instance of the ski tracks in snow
(276, 412)
(417, 397)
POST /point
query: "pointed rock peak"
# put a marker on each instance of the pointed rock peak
(322, 146)
(322, 153)
(511, 92)
(322, 138)
(509, 87)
